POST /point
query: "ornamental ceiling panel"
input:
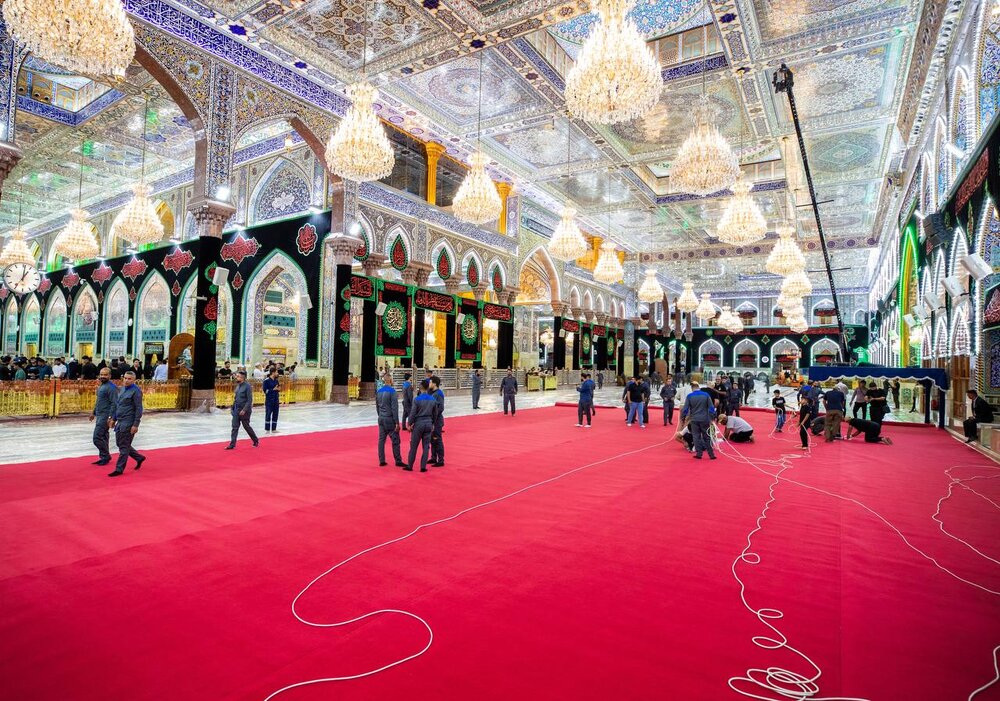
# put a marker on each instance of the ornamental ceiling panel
(653, 19)
(790, 18)
(544, 144)
(846, 155)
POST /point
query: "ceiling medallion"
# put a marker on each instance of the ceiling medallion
(567, 242)
(705, 163)
(138, 223)
(687, 302)
(76, 242)
(93, 37)
(650, 291)
(742, 223)
(360, 150)
(616, 78)
(477, 200)
(705, 310)
(786, 256)
(16, 250)
(608, 269)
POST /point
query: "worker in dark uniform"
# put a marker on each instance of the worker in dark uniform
(421, 421)
(125, 417)
(272, 400)
(407, 399)
(437, 435)
(387, 407)
(477, 385)
(508, 390)
(107, 395)
(242, 408)
(668, 393)
(585, 404)
(647, 392)
(600, 379)
(734, 395)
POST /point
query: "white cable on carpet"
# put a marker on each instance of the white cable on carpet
(787, 684)
(430, 632)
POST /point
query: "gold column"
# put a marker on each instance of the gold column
(434, 152)
(504, 190)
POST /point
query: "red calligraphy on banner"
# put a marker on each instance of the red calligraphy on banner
(70, 280)
(362, 287)
(102, 274)
(177, 260)
(239, 249)
(306, 239)
(134, 269)
(497, 312)
(434, 301)
(570, 326)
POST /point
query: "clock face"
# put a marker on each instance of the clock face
(21, 278)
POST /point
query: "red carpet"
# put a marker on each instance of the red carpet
(615, 582)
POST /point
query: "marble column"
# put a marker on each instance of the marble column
(559, 340)
(434, 153)
(504, 189)
(342, 248)
(480, 290)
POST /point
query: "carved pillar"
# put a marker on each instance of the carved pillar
(219, 164)
(504, 189)
(559, 340)
(342, 248)
(416, 274)
(369, 331)
(210, 217)
(480, 290)
(589, 315)
(434, 153)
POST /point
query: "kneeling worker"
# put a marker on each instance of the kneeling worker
(737, 430)
(871, 429)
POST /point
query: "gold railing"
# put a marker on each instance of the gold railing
(307, 389)
(353, 387)
(65, 397)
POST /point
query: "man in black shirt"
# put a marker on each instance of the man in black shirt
(869, 428)
(778, 404)
(836, 403)
(225, 372)
(88, 371)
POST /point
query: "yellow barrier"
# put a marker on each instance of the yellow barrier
(353, 387)
(308, 389)
(65, 397)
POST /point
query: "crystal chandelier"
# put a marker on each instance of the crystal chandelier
(609, 269)
(725, 319)
(705, 310)
(477, 200)
(138, 223)
(786, 256)
(742, 223)
(76, 242)
(567, 242)
(16, 250)
(794, 311)
(615, 78)
(705, 163)
(650, 291)
(687, 302)
(92, 37)
(797, 284)
(360, 150)
(787, 301)
(737, 326)
(799, 325)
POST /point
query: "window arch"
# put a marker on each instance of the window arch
(31, 325)
(55, 324)
(10, 326)
(710, 354)
(824, 349)
(398, 248)
(283, 190)
(941, 337)
(84, 319)
(152, 317)
(116, 304)
(961, 334)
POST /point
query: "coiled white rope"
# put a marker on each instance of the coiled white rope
(430, 632)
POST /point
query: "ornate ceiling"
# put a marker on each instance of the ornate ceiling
(849, 58)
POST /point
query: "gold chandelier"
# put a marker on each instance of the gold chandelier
(138, 223)
(797, 284)
(608, 269)
(706, 310)
(705, 163)
(477, 200)
(725, 319)
(794, 311)
(567, 242)
(16, 250)
(687, 302)
(76, 242)
(616, 78)
(786, 257)
(360, 150)
(787, 301)
(742, 223)
(650, 290)
(93, 37)
(798, 325)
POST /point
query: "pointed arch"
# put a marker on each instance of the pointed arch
(939, 275)
(540, 258)
(959, 249)
(614, 308)
(498, 275)
(282, 191)
(824, 347)
(152, 312)
(398, 249)
(588, 300)
(11, 324)
(296, 123)
(987, 78)
(602, 306)
(741, 352)
(941, 337)
(364, 231)
(276, 264)
(84, 318)
(962, 127)
(707, 350)
(116, 308)
(472, 269)
(56, 322)
(574, 297)
(444, 261)
(31, 323)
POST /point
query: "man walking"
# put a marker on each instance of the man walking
(698, 411)
(107, 396)
(241, 410)
(387, 408)
(600, 379)
(407, 399)
(125, 416)
(836, 403)
(477, 385)
(437, 435)
(272, 400)
(636, 403)
(647, 392)
(585, 405)
(508, 390)
(421, 420)
(668, 393)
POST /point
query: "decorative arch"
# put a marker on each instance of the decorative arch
(961, 331)
(822, 304)
(986, 71)
(574, 297)
(31, 323)
(56, 322)
(398, 248)
(186, 316)
(282, 191)
(707, 350)
(614, 308)
(941, 337)
(152, 312)
(84, 317)
(115, 341)
(10, 326)
(297, 124)
(824, 346)
(785, 346)
(588, 300)
(274, 265)
(959, 249)
(498, 276)
(443, 259)
(544, 271)
(860, 316)
(602, 306)
(743, 351)
(472, 269)
(366, 232)
(939, 275)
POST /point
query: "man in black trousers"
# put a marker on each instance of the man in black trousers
(125, 418)
(508, 390)
(241, 410)
(980, 413)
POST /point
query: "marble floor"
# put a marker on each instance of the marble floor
(47, 439)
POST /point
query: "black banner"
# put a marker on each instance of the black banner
(434, 301)
(362, 288)
(612, 348)
(498, 312)
(469, 333)
(394, 333)
(586, 349)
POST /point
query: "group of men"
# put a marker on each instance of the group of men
(835, 402)
(423, 418)
(119, 410)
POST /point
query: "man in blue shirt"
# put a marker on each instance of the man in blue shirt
(437, 435)
(107, 396)
(699, 410)
(835, 402)
(387, 410)
(241, 410)
(126, 414)
(272, 399)
(585, 405)
(407, 399)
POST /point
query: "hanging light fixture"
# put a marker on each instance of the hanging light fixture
(477, 200)
(787, 301)
(16, 249)
(737, 325)
(705, 310)
(138, 223)
(77, 242)
(616, 78)
(725, 319)
(798, 325)
(650, 291)
(567, 242)
(797, 284)
(687, 302)
(93, 37)
(705, 163)
(742, 223)
(794, 311)
(786, 257)
(359, 149)
(608, 269)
